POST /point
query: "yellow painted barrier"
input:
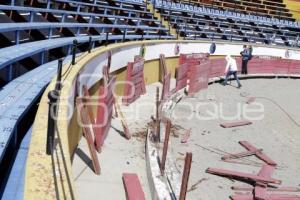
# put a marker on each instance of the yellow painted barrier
(50, 177)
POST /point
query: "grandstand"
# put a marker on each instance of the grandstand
(60, 59)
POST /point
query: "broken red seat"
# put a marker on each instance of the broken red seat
(133, 187)
(235, 123)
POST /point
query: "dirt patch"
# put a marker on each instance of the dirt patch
(176, 130)
(140, 135)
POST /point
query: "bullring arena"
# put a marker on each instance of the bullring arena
(128, 100)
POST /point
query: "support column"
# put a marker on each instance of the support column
(42, 58)
(17, 37)
(9, 73)
(18, 2)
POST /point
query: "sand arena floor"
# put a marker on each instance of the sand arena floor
(276, 131)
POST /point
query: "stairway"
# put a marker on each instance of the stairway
(163, 21)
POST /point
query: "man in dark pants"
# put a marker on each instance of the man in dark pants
(245, 58)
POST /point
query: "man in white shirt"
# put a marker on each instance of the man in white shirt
(231, 69)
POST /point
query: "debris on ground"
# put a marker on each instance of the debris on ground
(186, 136)
(195, 186)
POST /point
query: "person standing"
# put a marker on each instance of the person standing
(245, 58)
(231, 69)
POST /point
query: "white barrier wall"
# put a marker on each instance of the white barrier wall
(92, 71)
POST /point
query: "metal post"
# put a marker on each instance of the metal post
(165, 147)
(42, 58)
(52, 96)
(74, 49)
(124, 35)
(50, 33)
(9, 74)
(48, 4)
(106, 39)
(142, 35)
(90, 44)
(32, 16)
(186, 175)
(157, 120)
(58, 79)
(17, 37)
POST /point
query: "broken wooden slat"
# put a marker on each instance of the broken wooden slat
(198, 77)
(235, 123)
(260, 190)
(123, 121)
(258, 154)
(105, 104)
(241, 175)
(166, 86)
(181, 76)
(275, 189)
(165, 147)
(240, 155)
(88, 103)
(266, 171)
(269, 197)
(185, 176)
(133, 187)
(186, 136)
(162, 67)
(88, 132)
(135, 82)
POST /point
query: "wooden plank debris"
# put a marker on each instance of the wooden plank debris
(269, 197)
(242, 175)
(240, 155)
(275, 189)
(258, 154)
(185, 176)
(165, 147)
(186, 136)
(235, 123)
(123, 121)
(88, 132)
(133, 188)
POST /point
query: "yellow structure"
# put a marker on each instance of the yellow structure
(294, 7)
(164, 22)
